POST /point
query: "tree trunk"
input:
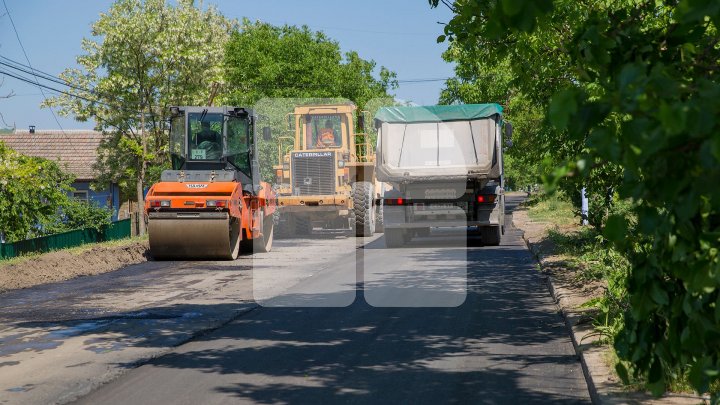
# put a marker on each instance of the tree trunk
(140, 206)
(141, 178)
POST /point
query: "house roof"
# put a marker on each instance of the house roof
(74, 150)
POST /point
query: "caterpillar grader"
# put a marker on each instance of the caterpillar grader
(326, 175)
(212, 204)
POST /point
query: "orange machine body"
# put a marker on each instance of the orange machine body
(214, 197)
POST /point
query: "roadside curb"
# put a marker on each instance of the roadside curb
(604, 387)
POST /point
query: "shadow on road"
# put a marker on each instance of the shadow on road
(505, 344)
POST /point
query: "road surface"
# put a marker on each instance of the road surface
(339, 322)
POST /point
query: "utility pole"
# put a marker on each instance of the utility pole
(584, 206)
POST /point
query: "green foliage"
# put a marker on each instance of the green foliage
(276, 68)
(596, 259)
(31, 192)
(146, 56)
(638, 98)
(265, 61)
(76, 214)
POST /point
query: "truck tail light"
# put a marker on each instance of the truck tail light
(486, 198)
(216, 203)
(395, 201)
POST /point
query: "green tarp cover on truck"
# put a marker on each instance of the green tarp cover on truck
(437, 143)
(437, 113)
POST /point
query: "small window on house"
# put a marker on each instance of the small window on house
(80, 195)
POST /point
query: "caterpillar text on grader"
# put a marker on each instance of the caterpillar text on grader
(327, 177)
(212, 204)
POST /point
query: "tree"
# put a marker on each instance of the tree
(146, 56)
(274, 68)
(31, 192)
(641, 102)
(265, 61)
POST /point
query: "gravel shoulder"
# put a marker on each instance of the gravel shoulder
(61, 265)
(604, 385)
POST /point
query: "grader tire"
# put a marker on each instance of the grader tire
(363, 210)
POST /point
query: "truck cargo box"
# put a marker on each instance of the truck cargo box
(448, 142)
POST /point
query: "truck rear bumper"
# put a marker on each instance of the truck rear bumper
(438, 224)
(402, 217)
(316, 201)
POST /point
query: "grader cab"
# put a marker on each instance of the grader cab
(326, 175)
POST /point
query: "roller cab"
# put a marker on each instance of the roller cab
(212, 204)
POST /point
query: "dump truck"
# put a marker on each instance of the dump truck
(325, 176)
(443, 167)
(213, 203)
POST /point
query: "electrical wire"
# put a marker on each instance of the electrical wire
(17, 35)
(43, 76)
(46, 76)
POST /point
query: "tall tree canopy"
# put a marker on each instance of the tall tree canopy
(275, 68)
(146, 55)
(266, 61)
(630, 93)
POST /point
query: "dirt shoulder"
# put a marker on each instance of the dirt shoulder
(570, 294)
(61, 265)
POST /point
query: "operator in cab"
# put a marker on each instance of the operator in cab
(209, 140)
(326, 138)
(207, 134)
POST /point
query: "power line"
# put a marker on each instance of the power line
(43, 75)
(47, 76)
(44, 86)
(17, 35)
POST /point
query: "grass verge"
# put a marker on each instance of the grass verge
(76, 250)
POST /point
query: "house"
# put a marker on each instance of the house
(76, 153)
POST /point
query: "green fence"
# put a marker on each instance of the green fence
(114, 231)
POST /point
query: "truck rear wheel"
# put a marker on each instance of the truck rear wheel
(363, 209)
(394, 238)
(379, 220)
(491, 235)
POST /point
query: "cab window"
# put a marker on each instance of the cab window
(205, 135)
(323, 131)
(238, 143)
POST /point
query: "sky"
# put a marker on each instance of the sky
(398, 34)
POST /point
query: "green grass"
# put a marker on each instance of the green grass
(113, 243)
(589, 252)
(555, 209)
(589, 256)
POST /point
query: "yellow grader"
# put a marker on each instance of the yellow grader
(326, 175)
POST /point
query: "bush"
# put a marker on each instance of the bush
(75, 214)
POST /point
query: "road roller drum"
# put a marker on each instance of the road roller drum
(202, 235)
